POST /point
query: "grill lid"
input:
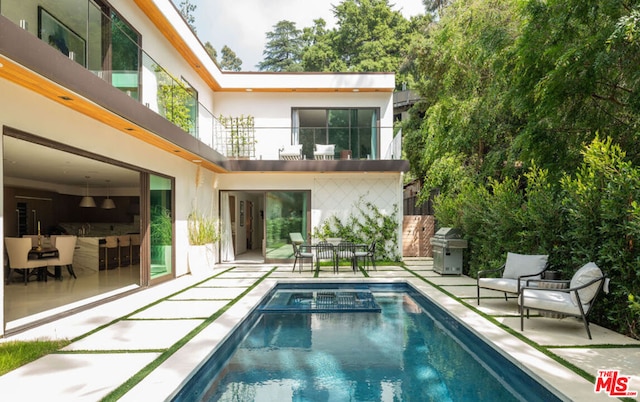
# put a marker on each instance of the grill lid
(448, 233)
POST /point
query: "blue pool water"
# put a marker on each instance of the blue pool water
(303, 344)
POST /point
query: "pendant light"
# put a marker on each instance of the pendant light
(87, 201)
(108, 202)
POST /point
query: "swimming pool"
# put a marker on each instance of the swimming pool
(311, 342)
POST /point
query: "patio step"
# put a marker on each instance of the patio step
(418, 261)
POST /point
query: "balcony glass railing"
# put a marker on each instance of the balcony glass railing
(101, 41)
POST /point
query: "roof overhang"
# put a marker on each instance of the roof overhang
(164, 15)
(31, 63)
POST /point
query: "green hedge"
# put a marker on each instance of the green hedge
(592, 214)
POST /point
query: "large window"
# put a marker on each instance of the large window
(354, 130)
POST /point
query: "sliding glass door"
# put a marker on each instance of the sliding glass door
(161, 225)
(285, 212)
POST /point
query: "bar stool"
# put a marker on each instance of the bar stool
(110, 252)
(124, 251)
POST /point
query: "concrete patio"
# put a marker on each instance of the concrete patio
(174, 326)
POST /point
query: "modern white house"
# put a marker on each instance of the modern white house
(117, 102)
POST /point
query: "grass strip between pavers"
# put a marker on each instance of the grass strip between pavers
(544, 350)
(140, 375)
(125, 317)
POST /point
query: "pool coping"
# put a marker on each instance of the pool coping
(141, 347)
(167, 378)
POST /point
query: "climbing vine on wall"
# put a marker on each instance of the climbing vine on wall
(365, 224)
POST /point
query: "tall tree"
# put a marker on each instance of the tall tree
(318, 53)
(369, 35)
(211, 51)
(229, 60)
(435, 6)
(283, 49)
(464, 61)
(576, 75)
(186, 10)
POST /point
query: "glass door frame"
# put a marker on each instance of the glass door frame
(146, 243)
(307, 219)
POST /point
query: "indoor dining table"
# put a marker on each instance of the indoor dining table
(43, 253)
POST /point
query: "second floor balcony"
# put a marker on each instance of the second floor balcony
(96, 37)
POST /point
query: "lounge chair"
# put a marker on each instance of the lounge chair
(323, 152)
(513, 274)
(291, 152)
(576, 301)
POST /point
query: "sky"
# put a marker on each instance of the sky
(243, 24)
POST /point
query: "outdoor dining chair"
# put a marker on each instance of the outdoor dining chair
(301, 252)
(368, 253)
(324, 252)
(345, 251)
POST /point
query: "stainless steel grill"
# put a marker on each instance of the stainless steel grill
(447, 251)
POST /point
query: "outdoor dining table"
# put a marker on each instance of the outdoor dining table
(333, 243)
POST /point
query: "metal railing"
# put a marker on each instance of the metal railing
(172, 97)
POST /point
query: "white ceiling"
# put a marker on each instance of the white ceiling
(44, 167)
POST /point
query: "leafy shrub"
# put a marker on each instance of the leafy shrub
(592, 215)
(600, 203)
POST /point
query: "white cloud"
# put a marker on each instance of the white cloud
(243, 24)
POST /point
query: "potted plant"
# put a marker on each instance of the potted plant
(203, 232)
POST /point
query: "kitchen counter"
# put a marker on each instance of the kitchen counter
(87, 253)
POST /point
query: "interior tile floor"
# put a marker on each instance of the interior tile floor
(26, 303)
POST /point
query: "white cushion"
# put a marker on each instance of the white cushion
(550, 300)
(325, 149)
(503, 284)
(518, 265)
(292, 149)
(584, 275)
(500, 284)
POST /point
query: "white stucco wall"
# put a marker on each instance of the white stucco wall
(331, 193)
(272, 112)
(23, 110)
(59, 123)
